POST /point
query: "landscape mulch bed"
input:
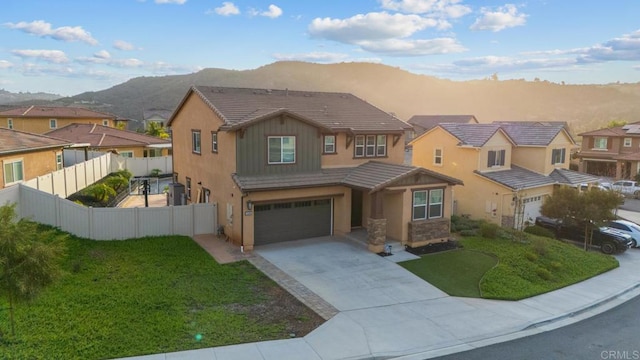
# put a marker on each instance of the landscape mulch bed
(434, 248)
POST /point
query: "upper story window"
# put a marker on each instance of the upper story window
(557, 156)
(370, 146)
(427, 204)
(329, 144)
(600, 143)
(53, 123)
(627, 142)
(281, 149)
(13, 172)
(437, 156)
(214, 141)
(105, 122)
(195, 141)
(10, 123)
(496, 158)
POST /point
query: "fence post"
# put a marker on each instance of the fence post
(136, 210)
(91, 234)
(193, 219)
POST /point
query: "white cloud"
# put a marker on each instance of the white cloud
(443, 8)
(52, 56)
(64, 33)
(624, 48)
(227, 9)
(402, 47)
(369, 27)
(323, 57)
(123, 45)
(4, 64)
(179, 2)
(504, 17)
(102, 54)
(273, 12)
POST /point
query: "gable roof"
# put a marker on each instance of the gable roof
(14, 141)
(429, 121)
(518, 178)
(534, 133)
(104, 136)
(55, 112)
(239, 107)
(372, 176)
(472, 134)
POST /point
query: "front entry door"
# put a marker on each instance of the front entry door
(356, 208)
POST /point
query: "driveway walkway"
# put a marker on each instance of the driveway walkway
(385, 311)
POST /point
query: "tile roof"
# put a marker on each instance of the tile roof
(533, 133)
(372, 176)
(104, 136)
(429, 121)
(570, 177)
(14, 141)
(471, 134)
(520, 178)
(333, 110)
(616, 131)
(55, 112)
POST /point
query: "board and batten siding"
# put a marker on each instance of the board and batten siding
(252, 147)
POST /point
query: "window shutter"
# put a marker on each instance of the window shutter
(492, 159)
(562, 153)
(502, 156)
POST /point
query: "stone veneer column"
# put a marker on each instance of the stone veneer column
(377, 234)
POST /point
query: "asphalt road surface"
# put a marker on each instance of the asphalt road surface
(612, 335)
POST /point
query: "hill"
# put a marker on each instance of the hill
(584, 107)
(7, 97)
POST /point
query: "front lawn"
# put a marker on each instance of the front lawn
(524, 269)
(143, 296)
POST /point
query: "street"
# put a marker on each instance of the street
(631, 205)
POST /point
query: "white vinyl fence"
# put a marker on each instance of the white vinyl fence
(110, 223)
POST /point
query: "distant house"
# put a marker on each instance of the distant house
(42, 119)
(508, 168)
(25, 156)
(422, 123)
(158, 116)
(104, 139)
(611, 152)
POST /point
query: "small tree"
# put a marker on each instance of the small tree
(100, 191)
(587, 207)
(156, 129)
(29, 259)
(116, 182)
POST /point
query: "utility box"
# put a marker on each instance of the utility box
(176, 194)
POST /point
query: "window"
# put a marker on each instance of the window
(127, 154)
(13, 172)
(282, 149)
(59, 161)
(496, 158)
(152, 153)
(371, 146)
(627, 142)
(105, 122)
(53, 123)
(214, 142)
(427, 204)
(557, 156)
(329, 144)
(600, 143)
(188, 188)
(437, 156)
(195, 141)
(10, 123)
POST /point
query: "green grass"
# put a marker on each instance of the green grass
(524, 269)
(456, 272)
(134, 297)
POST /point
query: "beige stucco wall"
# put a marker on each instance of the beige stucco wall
(41, 125)
(345, 156)
(496, 143)
(538, 159)
(34, 164)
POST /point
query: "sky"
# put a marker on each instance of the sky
(68, 47)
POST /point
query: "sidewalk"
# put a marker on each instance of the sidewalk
(438, 326)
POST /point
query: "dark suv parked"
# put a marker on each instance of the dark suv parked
(609, 240)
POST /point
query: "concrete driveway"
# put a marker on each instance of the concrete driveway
(347, 275)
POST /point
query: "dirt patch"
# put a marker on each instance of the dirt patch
(434, 248)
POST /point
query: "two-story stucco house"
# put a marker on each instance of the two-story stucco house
(41, 119)
(611, 152)
(508, 168)
(286, 165)
(25, 156)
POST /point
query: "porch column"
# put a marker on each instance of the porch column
(618, 169)
(376, 225)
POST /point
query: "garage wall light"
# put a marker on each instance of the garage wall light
(249, 205)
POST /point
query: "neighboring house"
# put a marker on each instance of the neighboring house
(286, 165)
(25, 156)
(508, 168)
(422, 123)
(42, 119)
(158, 116)
(611, 152)
(107, 139)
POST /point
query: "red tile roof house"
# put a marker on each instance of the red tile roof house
(611, 152)
(107, 139)
(25, 156)
(41, 119)
(285, 165)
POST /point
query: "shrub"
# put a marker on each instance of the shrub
(533, 257)
(464, 222)
(99, 191)
(124, 173)
(539, 231)
(116, 182)
(469, 232)
(513, 235)
(155, 172)
(544, 273)
(540, 246)
(489, 230)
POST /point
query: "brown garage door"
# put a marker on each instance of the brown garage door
(292, 220)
